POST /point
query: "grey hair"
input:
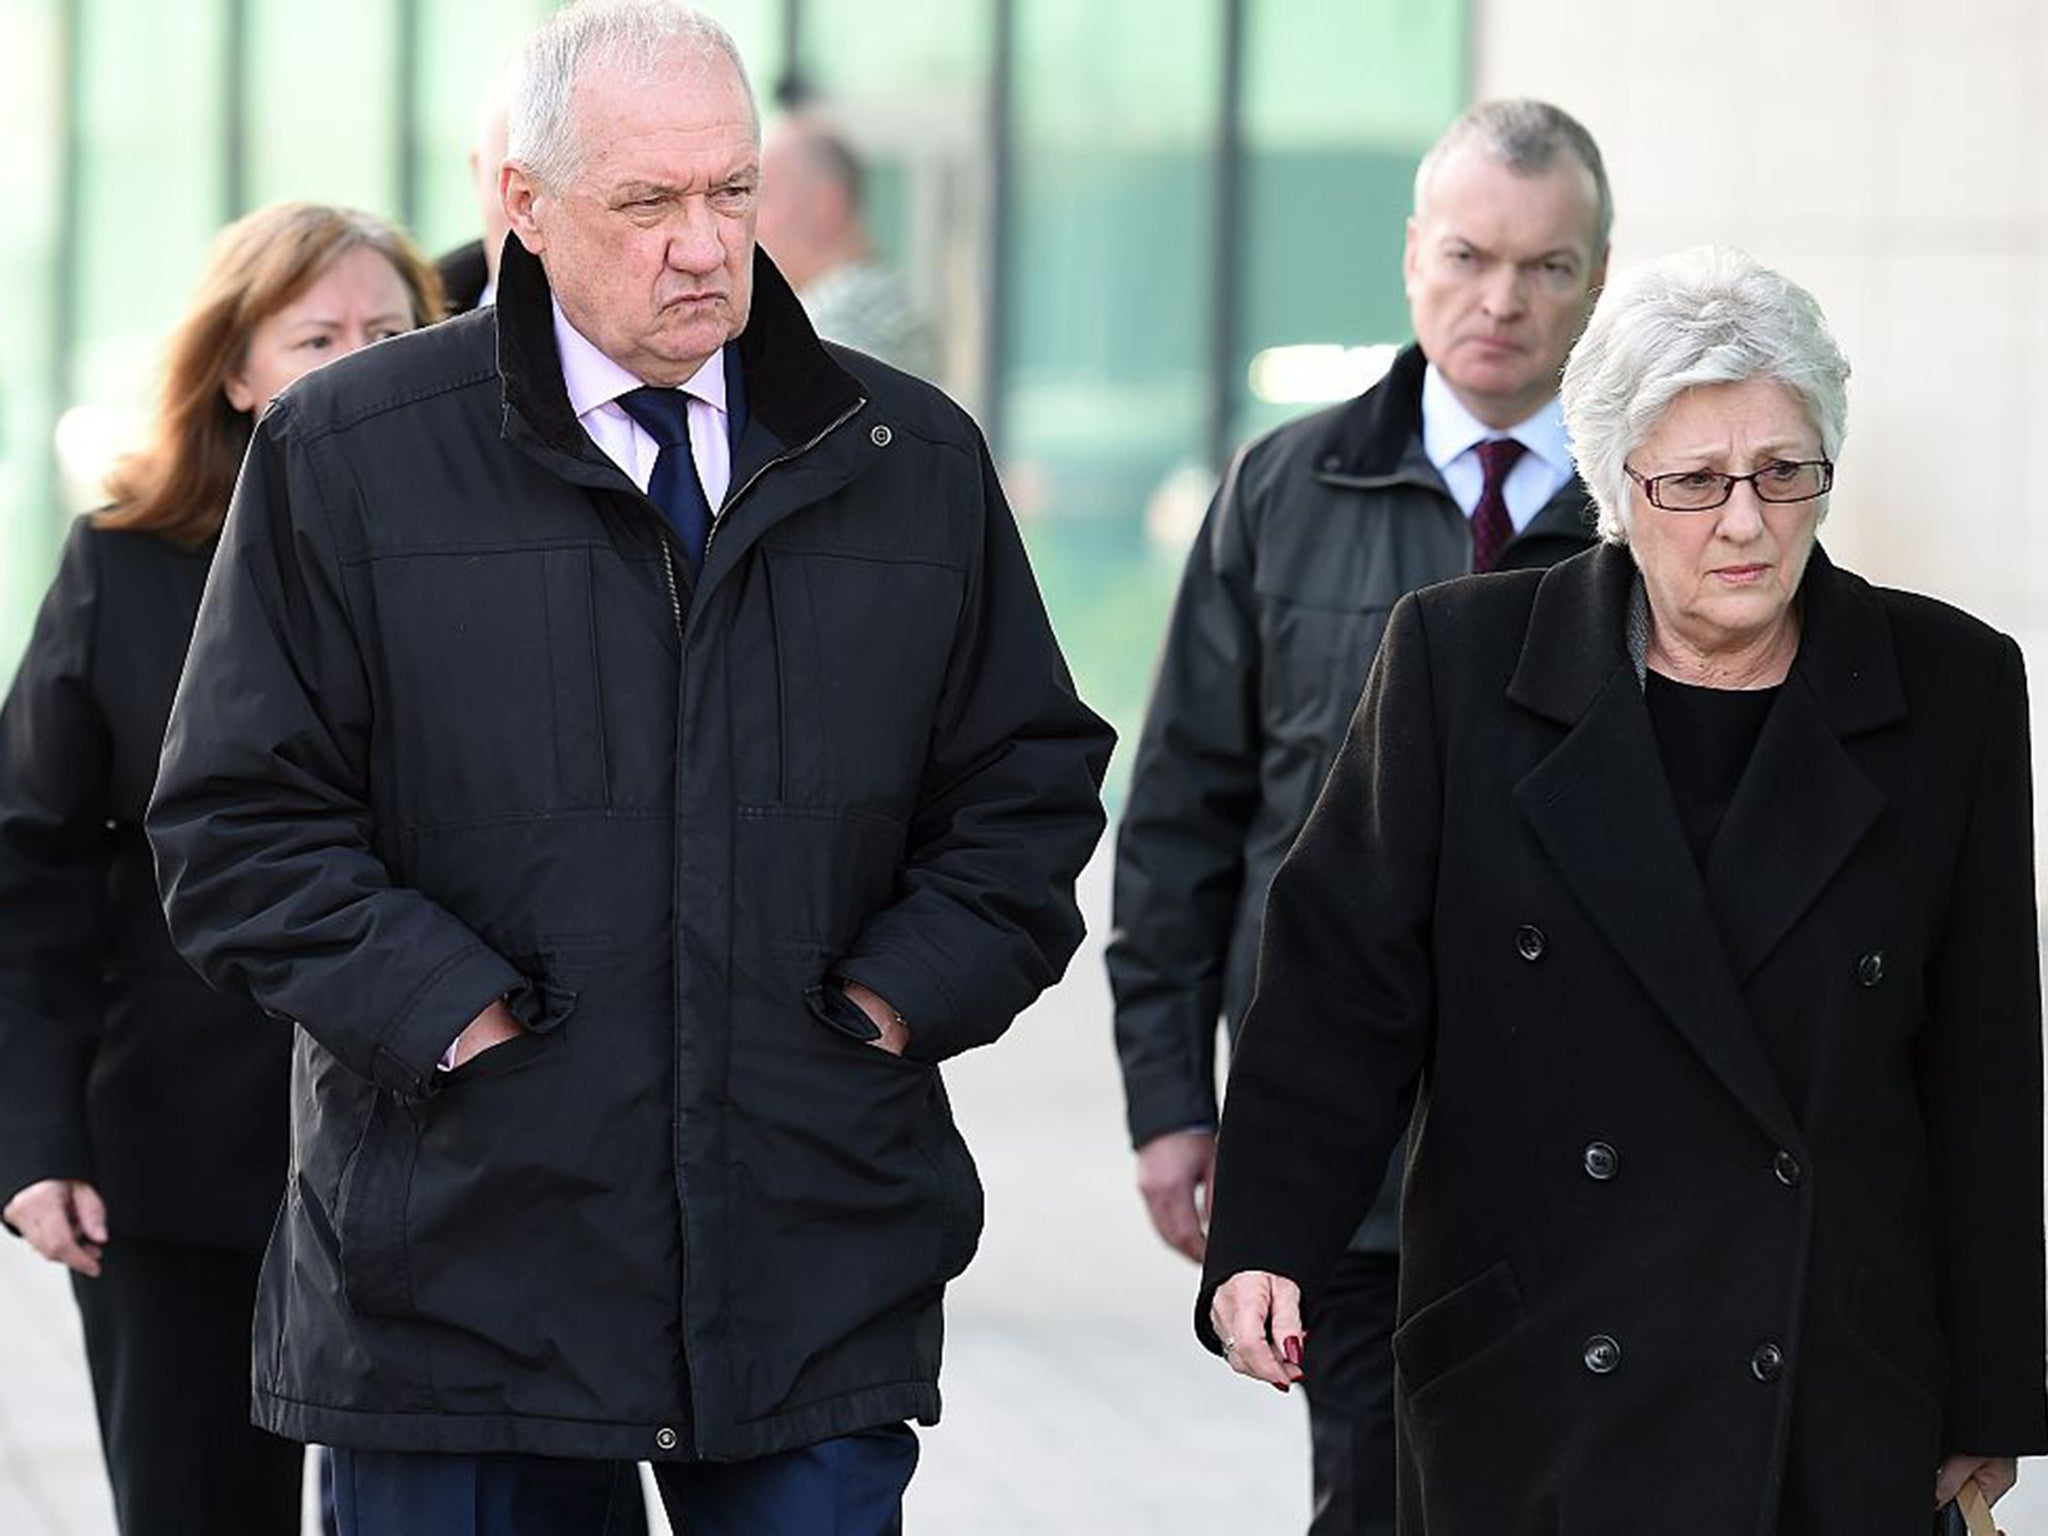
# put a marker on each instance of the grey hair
(633, 34)
(1526, 136)
(1709, 315)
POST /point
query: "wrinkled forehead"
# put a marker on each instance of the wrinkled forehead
(695, 92)
(1476, 196)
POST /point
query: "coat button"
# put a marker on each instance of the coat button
(1602, 1161)
(1788, 1170)
(881, 437)
(665, 1438)
(1870, 969)
(1767, 1362)
(1529, 942)
(1602, 1354)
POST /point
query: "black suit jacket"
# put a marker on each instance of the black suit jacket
(464, 276)
(1644, 1267)
(117, 1063)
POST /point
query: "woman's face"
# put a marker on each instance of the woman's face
(1722, 581)
(359, 299)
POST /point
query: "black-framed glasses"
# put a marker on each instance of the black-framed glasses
(1702, 490)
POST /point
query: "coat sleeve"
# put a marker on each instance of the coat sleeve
(55, 854)
(1180, 852)
(1344, 1013)
(1980, 1071)
(1009, 809)
(266, 846)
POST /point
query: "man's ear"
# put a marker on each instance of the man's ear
(519, 192)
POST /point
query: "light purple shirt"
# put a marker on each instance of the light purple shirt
(595, 383)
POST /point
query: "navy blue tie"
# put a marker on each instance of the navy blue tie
(664, 414)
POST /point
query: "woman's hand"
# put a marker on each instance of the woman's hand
(64, 1220)
(1994, 1476)
(1257, 1317)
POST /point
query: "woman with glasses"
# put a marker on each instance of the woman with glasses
(142, 1117)
(1685, 893)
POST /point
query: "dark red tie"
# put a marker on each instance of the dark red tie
(1491, 525)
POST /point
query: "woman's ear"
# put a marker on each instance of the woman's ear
(240, 396)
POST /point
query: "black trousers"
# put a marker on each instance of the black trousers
(167, 1336)
(1348, 1373)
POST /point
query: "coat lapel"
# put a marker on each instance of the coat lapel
(1599, 805)
(1802, 805)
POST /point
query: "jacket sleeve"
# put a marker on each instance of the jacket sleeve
(266, 848)
(1344, 1014)
(55, 854)
(1980, 1070)
(1009, 810)
(1180, 851)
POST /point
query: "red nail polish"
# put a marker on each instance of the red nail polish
(1291, 1347)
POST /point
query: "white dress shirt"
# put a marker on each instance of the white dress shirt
(1451, 436)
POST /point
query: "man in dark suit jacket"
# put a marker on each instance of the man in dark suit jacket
(1456, 461)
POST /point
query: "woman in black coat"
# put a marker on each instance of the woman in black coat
(142, 1117)
(1686, 892)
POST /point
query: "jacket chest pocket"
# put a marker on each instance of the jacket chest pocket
(491, 697)
(859, 646)
(1313, 663)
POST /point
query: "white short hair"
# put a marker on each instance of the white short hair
(1709, 315)
(635, 34)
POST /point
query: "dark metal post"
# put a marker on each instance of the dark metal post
(234, 85)
(995, 286)
(405, 180)
(793, 85)
(1227, 240)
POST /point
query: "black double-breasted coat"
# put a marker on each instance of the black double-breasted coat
(1724, 1179)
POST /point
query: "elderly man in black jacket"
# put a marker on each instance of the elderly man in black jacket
(631, 793)
(1456, 461)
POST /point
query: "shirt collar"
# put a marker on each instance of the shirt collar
(1448, 429)
(594, 380)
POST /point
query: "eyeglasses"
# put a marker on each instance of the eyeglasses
(1702, 490)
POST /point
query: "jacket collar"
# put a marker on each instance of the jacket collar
(1376, 438)
(1374, 443)
(1600, 806)
(794, 389)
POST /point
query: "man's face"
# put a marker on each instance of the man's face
(650, 250)
(1501, 272)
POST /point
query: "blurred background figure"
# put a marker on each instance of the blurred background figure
(811, 223)
(469, 273)
(142, 1116)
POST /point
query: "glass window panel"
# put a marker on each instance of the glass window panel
(1106, 334)
(927, 47)
(151, 195)
(1341, 99)
(31, 112)
(461, 50)
(912, 98)
(322, 110)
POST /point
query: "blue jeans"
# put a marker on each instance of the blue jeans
(849, 1486)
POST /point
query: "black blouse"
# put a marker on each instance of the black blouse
(1705, 737)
